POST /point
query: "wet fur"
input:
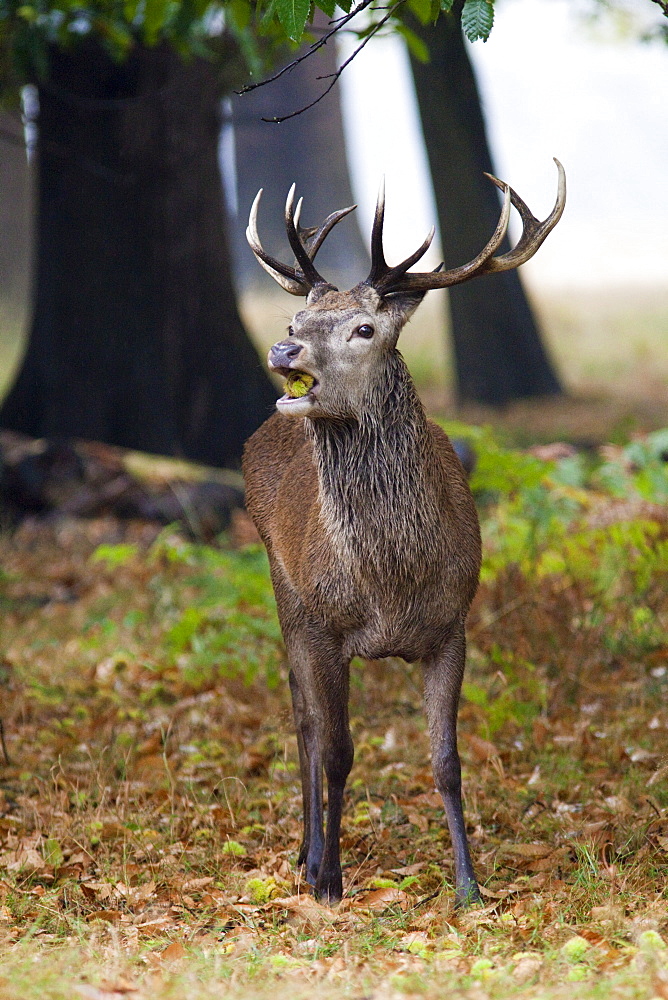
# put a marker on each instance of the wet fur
(374, 547)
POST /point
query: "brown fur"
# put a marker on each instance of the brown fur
(374, 548)
(370, 528)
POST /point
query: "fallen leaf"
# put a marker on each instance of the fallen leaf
(528, 964)
(303, 909)
(380, 899)
(526, 850)
(410, 869)
(111, 916)
(418, 819)
(142, 893)
(173, 952)
(197, 883)
(481, 750)
(608, 913)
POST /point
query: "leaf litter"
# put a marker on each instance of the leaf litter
(150, 809)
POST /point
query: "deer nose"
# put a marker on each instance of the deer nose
(282, 355)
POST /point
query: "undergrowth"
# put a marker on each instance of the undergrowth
(150, 802)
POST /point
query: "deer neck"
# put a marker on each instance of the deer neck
(375, 494)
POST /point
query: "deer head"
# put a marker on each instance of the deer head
(342, 341)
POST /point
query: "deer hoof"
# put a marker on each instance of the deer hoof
(468, 895)
(329, 888)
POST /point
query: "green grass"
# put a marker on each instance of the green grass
(150, 816)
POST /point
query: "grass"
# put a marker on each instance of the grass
(150, 812)
(150, 815)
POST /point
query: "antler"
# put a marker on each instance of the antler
(387, 280)
(305, 242)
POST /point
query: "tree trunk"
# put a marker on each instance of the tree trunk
(14, 212)
(499, 355)
(136, 339)
(308, 150)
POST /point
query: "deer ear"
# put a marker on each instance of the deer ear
(402, 305)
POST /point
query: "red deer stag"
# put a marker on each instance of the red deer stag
(364, 508)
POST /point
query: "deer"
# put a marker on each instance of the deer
(366, 514)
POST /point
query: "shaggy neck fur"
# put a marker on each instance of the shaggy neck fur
(377, 503)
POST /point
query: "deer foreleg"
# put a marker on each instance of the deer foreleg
(331, 685)
(442, 685)
(319, 685)
(310, 768)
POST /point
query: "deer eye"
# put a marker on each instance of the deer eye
(290, 332)
(365, 330)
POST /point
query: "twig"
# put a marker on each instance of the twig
(335, 76)
(339, 23)
(4, 745)
(426, 899)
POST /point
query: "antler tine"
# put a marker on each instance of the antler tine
(378, 265)
(533, 234)
(286, 276)
(393, 273)
(311, 276)
(314, 236)
(423, 282)
(533, 231)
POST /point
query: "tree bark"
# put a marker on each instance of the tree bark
(14, 211)
(499, 354)
(136, 339)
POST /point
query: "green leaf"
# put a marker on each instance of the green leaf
(416, 46)
(241, 12)
(327, 7)
(130, 9)
(53, 854)
(293, 15)
(477, 19)
(235, 848)
(115, 555)
(421, 9)
(155, 16)
(27, 12)
(446, 5)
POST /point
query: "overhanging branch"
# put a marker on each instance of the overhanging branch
(339, 24)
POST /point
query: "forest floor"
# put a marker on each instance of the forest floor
(149, 794)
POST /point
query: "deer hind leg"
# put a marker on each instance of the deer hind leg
(442, 685)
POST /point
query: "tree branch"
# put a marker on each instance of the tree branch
(335, 76)
(339, 23)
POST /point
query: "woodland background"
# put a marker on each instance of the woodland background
(149, 795)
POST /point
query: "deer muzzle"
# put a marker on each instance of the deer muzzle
(284, 354)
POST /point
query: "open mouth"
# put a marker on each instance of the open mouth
(298, 385)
